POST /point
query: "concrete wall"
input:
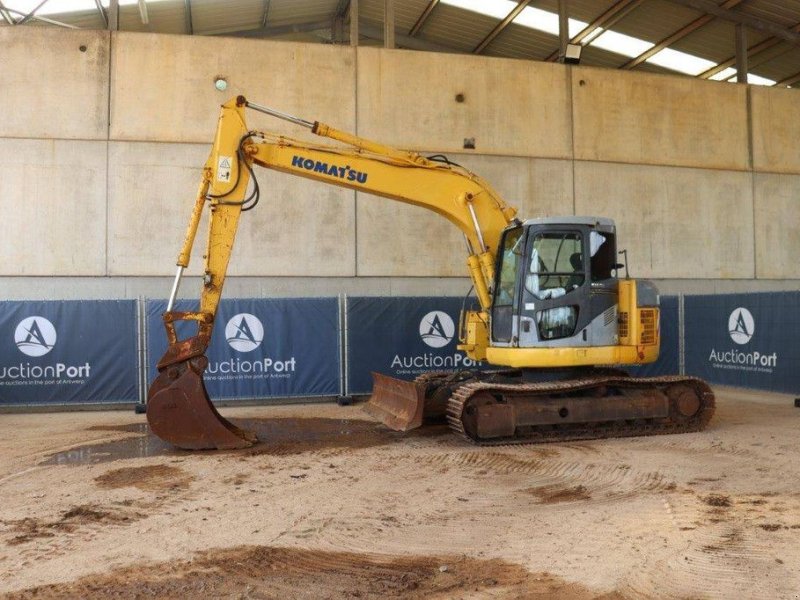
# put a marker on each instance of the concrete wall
(104, 135)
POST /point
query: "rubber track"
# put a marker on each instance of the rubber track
(583, 431)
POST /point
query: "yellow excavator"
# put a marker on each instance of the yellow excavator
(554, 321)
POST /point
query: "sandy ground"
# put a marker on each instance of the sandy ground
(332, 505)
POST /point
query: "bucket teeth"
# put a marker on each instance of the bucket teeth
(180, 412)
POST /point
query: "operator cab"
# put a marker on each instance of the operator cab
(556, 284)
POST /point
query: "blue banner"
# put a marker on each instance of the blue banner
(262, 348)
(68, 352)
(744, 340)
(668, 362)
(401, 337)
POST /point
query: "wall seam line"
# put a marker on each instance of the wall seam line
(572, 133)
(751, 164)
(355, 193)
(108, 149)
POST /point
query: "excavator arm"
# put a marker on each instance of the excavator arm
(179, 409)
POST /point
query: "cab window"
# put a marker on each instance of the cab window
(555, 266)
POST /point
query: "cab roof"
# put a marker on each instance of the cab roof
(599, 223)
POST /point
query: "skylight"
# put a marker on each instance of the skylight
(542, 20)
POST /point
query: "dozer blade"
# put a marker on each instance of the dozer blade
(396, 403)
(180, 412)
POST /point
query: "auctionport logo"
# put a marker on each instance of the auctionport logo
(436, 329)
(741, 325)
(244, 332)
(35, 336)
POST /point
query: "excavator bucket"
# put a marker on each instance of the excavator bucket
(396, 403)
(180, 412)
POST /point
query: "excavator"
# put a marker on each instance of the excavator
(553, 324)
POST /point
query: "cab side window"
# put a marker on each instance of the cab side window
(556, 264)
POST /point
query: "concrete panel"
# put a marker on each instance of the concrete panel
(777, 221)
(399, 240)
(178, 101)
(408, 99)
(659, 120)
(50, 87)
(675, 222)
(151, 191)
(776, 129)
(52, 198)
(299, 228)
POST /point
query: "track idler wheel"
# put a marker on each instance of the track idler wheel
(180, 412)
(486, 418)
(684, 403)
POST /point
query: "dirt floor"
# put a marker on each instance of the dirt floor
(332, 505)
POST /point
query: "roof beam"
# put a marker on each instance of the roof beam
(752, 52)
(789, 80)
(265, 14)
(102, 11)
(423, 17)
(736, 16)
(406, 41)
(42, 19)
(264, 32)
(143, 12)
(501, 26)
(613, 15)
(31, 14)
(6, 15)
(678, 35)
(187, 14)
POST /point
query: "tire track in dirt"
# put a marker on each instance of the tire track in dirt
(723, 542)
(563, 468)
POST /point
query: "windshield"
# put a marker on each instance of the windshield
(556, 264)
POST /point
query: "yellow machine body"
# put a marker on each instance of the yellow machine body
(443, 187)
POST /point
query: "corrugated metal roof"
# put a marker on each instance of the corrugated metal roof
(457, 28)
(522, 42)
(460, 30)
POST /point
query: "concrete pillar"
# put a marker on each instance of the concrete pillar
(741, 53)
(113, 15)
(388, 23)
(563, 29)
(354, 22)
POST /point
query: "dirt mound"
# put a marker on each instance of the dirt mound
(717, 500)
(271, 572)
(551, 494)
(148, 478)
(29, 529)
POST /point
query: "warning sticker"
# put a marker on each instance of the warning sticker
(224, 168)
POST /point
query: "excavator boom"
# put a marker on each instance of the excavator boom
(179, 409)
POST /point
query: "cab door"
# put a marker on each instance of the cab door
(505, 300)
(554, 288)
